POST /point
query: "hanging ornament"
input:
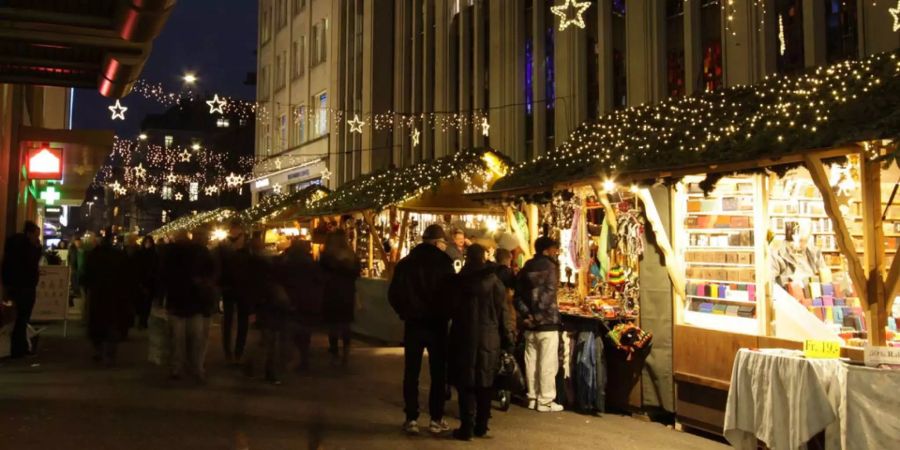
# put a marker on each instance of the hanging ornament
(277, 163)
(118, 111)
(570, 13)
(782, 45)
(151, 189)
(276, 188)
(140, 172)
(170, 178)
(325, 174)
(179, 196)
(185, 156)
(115, 186)
(485, 127)
(895, 13)
(216, 105)
(210, 190)
(233, 180)
(415, 137)
(356, 124)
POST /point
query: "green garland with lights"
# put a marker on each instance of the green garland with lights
(829, 106)
(194, 221)
(272, 205)
(384, 188)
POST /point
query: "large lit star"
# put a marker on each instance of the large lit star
(170, 178)
(118, 111)
(185, 156)
(233, 180)
(570, 13)
(895, 13)
(415, 137)
(179, 196)
(276, 188)
(325, 174)
(216, 105)
(210, 190)
(139, 172)
(151, 189)
(356, 124)
(485, 127)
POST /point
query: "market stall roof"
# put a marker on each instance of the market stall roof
(194, 221)
(827, 107)
(283, 207)
(436, 185)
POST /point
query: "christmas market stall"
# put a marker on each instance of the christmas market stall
(771, 209)
(282, 216)
(192, 222)
(385, 213)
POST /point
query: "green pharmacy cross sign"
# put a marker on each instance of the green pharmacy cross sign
(50, 195)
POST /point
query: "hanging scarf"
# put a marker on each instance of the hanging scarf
(576, 240)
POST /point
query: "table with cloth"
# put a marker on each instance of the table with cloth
(783, 400)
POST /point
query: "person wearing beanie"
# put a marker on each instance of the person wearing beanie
(417, 294)
(535, 300)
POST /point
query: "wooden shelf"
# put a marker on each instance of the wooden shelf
(715, 299)
(721, 213)
(722, 281)
(716, 264)
(716, 230)
(803, 216)
(713, 249)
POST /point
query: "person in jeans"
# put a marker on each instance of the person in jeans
(417, 294)
(21, 256)
(535, 299)
(189, 277)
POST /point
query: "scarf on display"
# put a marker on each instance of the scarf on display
(577, 242)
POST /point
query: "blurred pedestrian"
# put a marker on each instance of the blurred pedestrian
(418, 295)
(303, 281)
(72, 261)
(341, 268)
(109, 283)
(189, 281)
(237, 291)
(21, 256)
(271, 306)
(478, 333)
(146, 265)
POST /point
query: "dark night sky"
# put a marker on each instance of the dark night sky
(216, 39)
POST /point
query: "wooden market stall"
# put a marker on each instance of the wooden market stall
(384, 214)
(740, 187)
(194, 222)
(282, 216)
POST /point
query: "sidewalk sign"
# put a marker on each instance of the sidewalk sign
(52, 296)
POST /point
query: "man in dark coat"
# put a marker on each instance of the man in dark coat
(189, 282)
(302, 279)
(341, 268)
(418, 295)
(21, 256)
(477, 335)
(109, 281)
(536, 305)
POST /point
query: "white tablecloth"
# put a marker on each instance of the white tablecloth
(784, 400)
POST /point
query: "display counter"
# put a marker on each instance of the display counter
(375, 318)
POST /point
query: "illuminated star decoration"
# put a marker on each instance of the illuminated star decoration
(565, 19)
(277, 163)
(782, 45)
(179, 196)
(151, 189)
(115, 186)
(485, 127)
(415, 137)
(139, 172)
(895, 13)
(356, 124)
(118, 111)
(233, 180)
(216, 105)
(325, 174)
(170, 178)
(276, 188)
(185, 156)
(210, 190)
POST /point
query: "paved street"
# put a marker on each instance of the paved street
(61, 400)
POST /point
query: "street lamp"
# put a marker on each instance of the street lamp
(195, 146)
(190, 78)
(142, 136)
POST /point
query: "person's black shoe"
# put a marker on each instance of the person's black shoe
(462, 435)
(480, 432)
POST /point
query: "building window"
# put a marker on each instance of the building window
(620, 80)
(263, 83)
(318, 43)
(166, 192)
(321, 121)
(299, 55)
(789, 35)
(675, 47)
(168, 141)
(841, 30)
(298, 6)
(193, 191)
(300, 124)
(265, 28)
(223, 123)
(279, 70)
(283, 132)
(281, 13)
(711, 40)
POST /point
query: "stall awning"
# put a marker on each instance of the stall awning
(448, 198)
(84, 152)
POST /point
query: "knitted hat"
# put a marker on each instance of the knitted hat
(434, 232)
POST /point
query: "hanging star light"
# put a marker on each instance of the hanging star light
(276, 188)
(139, 172)
(356, 124)
(210, 190)
(325, 174)
(185, 156)
(277, 163)
(895, 13)
(216, 105)
(179, 196)
(782, 45)
(415, 137)
(170, 178)
(485, 127)
(151, 189)
(115, 186)
(118, 111)
(565, 19)
(233, 180)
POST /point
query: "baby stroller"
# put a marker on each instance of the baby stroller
(509, 379)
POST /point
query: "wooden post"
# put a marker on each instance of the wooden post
(404, 230)
(873, 237)
(678, 197)
(532, 216)
(761, 257)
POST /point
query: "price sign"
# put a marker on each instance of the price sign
(821, 349)
(877, 356)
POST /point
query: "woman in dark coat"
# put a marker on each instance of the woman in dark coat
(478, 333)
(109, 283)
(146, 263)
(302, 281)
(341, 269)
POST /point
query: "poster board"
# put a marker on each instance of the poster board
(52, 299)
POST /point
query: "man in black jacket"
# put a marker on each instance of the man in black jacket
(417, 294)
(21, 256)
(535, 301)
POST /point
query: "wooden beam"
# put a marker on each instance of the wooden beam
(842, 234)
(673, 267)
(873, 237)
(531, 211)
(761, 258)
(404, 230)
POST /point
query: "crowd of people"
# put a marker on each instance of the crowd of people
(466, 311)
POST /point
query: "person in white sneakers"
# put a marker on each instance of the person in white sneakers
(535, 299)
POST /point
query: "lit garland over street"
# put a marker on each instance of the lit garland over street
(846, 102)
(273, 205)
